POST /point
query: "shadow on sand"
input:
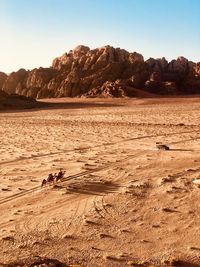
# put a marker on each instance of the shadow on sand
(82, 104)
(38, 261)
(187, 264)
(183, 150)
(90, 188)
(41, 105)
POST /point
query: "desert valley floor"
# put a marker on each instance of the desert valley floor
(122, 200)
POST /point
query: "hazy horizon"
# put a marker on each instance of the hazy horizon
(35, 32)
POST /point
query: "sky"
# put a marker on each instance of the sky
(34, 32)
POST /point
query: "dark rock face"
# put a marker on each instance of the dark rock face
(105, 71)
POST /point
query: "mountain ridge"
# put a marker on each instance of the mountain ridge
(107, 72)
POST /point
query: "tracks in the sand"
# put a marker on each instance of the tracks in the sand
(75, 176)
(101, 168)
(99, 204)
(72, 225)
(56, 227)
(97, 146)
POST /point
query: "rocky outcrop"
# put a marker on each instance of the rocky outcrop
(161, 88)
(108, 89)
(197, 69)
(15, 101)
(14, 80)
(36, 83)
(83, 69)
(175, 77)
(105, 71)
(3, 78)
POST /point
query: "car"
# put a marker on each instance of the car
(162, 147)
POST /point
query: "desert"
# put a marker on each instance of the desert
(99, 133)
(123, 201)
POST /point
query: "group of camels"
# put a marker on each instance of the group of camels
(53, 178)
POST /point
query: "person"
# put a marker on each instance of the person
(50, 178)
(60, 175)
(44, 181)
(60, 172)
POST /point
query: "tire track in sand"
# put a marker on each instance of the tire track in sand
(75, 176)
(97, 146)
(34, 189)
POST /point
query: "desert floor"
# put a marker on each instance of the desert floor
(122, 199)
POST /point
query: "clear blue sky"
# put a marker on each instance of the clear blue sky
(33, 32)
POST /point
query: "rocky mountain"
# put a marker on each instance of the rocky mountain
(105, 71)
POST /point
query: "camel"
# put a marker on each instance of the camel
(50, 178)
(44, 182)
(60, 175)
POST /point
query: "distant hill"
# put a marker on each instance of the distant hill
(13, 101)
(107, 72)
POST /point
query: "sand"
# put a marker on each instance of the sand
(122, 200)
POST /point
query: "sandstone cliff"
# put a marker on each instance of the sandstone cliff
(107, 72)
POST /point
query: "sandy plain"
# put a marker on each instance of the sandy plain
(122, 201)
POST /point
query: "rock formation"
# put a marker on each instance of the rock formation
(104, 71)
(3, 78)
(15, 101)
(12, 81)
